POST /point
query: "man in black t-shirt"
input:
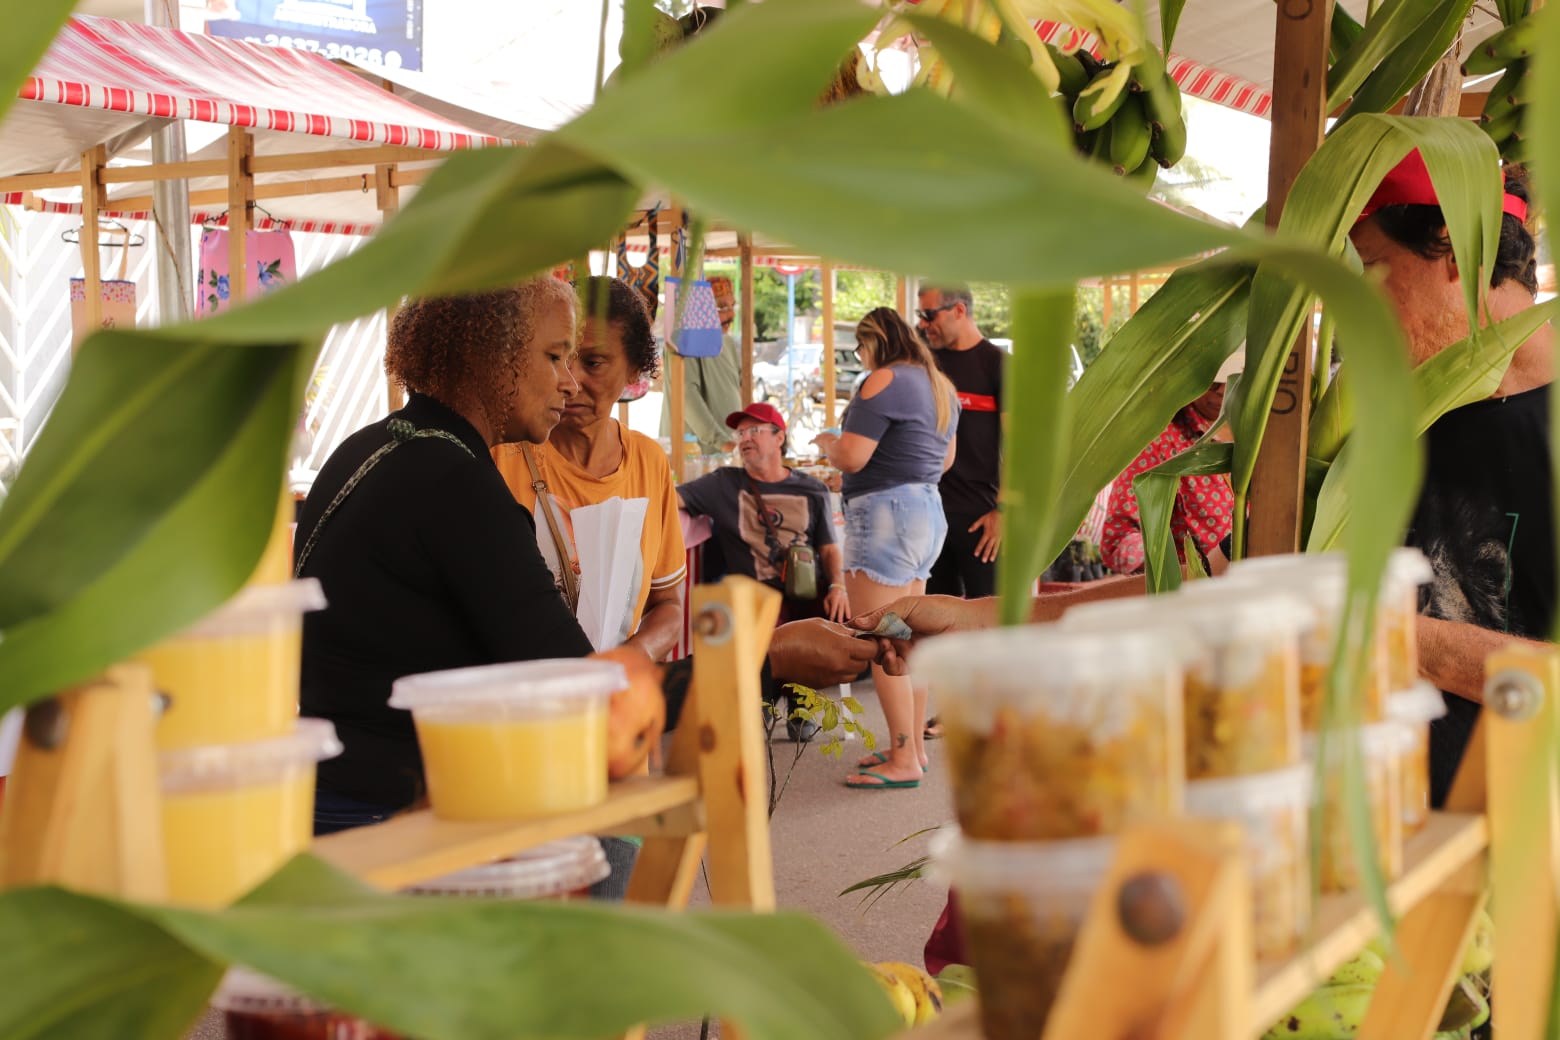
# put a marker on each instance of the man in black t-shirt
(967, 565)
(1485, 515)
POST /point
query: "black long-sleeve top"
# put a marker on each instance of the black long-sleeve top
(429, 563)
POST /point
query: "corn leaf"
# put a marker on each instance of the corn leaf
(1343, 32)
(78, 968)
(1544, 153)
(1410, 62)
(1161, 360)
(1036, 417)
(1512, 11)
(1157, 490)
(1332, 416)
(29, 29)
(1169, 19)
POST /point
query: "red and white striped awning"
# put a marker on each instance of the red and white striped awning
(144, 70)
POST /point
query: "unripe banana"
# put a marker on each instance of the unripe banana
(1069, 68)
(1363, 970)
(1169, 126)
(1502, 128)
(1479, 954)
(899, 995)
(1099, 143)
(1091, 64)
(1144, 176)
(1498, 51)
(1147, 72)
(1327, 1014)
(1129, 136)
(1506, 93)
(1514, 149)
(1101, 99)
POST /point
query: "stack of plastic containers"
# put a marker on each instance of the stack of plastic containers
(1362, 732)
(236, 763)
(1056, 741)
(513, 741)
(256, 1007)
(1242, 652)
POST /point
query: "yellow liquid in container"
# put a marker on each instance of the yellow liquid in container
(220, 843)
(228, 688)
(514, 769)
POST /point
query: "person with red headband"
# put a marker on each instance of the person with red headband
(1485, 515)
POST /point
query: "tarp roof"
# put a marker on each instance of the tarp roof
(113, 83)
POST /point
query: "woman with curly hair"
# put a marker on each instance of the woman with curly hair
(591, 458)
(412, 534)
(898, 440)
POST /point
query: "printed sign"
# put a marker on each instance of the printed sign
(373, 32)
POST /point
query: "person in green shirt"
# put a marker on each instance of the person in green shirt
(712, 386)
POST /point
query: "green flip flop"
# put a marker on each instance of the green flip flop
(886, 783)
(878, 758)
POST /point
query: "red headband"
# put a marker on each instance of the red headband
(1408, 184)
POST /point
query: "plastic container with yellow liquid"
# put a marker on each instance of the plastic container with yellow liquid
(233, 675)
(233, 813)
(513, 741)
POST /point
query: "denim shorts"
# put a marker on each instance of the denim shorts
(893, 536)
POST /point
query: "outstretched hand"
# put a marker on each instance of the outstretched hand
(925, 616)
(816, 652)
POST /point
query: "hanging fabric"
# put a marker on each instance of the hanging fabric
(272, 264)
(696, 331)
(116, 295)
(645, 277)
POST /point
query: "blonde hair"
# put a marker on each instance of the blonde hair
(892, 341)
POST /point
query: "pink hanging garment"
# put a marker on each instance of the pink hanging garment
(269, 254)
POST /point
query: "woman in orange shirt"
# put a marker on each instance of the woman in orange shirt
(591, 458)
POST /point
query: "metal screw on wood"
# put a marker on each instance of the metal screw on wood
(1151, 908)
(714, 624)
(161, 702)
(46, 724)
(1513, 695)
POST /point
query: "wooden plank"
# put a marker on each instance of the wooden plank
(902, 299)
(418, 846)
(677, 422)
(294, 161)
(1342, 924)
(1524, 833)
(665, 872)
(829, 405)
(388, 198)
(749, 323)
(1205, 860)
(1299, 107)
(1411, 994)
(40, 181)
(732, 624)
(92, 197)
(165, 171)
(241, 200)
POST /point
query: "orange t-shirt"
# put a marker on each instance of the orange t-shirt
(644, 474)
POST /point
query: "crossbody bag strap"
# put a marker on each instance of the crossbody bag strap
(400, 431)
(567, 562)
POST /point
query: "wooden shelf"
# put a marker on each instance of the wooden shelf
(1342, 924)
(419, 846)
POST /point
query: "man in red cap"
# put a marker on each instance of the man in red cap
(1485, 515)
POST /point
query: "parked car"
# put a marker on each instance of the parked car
(801, 363)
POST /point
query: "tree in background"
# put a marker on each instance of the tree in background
(769, 296)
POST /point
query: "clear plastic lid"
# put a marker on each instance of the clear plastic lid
(544, 684)
(1423, 703)
(257, 608)
(1409, 568)
(1134, 613)
(1236, 797)
(554, 869)
(1379, 740)
(247, 992)
(1048, 670)
(1073, 867)
(1217, 612)
(251, 762)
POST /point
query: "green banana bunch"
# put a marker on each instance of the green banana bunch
(1497, 52)
(1126, 116)
(1333, 1012)
(1505, 110)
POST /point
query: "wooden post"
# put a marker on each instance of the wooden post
(749, 324)
(1440, 92)
(1134, 293)
(82, 807)
(1299, 110)
(92, 200)
(678, 424)
(388, 198)
(241, 201)
(1520, 721)
(1108, 296)
(827, 274)
(902, 298)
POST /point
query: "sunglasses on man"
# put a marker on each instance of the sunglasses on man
(929, 314)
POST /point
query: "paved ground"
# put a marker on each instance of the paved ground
(827, 837)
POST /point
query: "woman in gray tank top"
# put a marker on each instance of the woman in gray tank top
(897, 441)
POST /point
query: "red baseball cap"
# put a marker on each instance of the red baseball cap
(762, 411)
(1408, 184)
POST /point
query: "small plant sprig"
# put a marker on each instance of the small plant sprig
(808, 705)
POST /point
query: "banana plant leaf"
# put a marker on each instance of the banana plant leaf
(1436, 32)
(439, 968)
(29, 29)
(1394, 51)
(1169, 19)
(1332, 416)
(1043, 325)
(997, 82)
(1156, 491)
